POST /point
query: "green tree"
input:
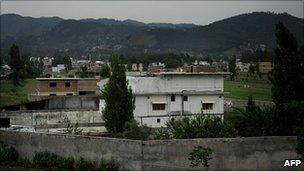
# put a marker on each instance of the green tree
(67, 62)
(232, 67)
(1, 65)
(118, 98)
(16, 65)
(257, 70)
(251, 70)
(105, 71)
(83, 73)
(287, 79)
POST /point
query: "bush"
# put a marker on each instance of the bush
(83, 165)
(67, 163)
(134, 132)
(110, 165)
(253, 122)
(24, 162)
(8, 153)
(201, 126)
(200, 155)
(47, 160)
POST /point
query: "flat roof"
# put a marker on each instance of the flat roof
(192, 73)
(67, 78)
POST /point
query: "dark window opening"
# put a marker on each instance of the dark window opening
(4, 122)
(52, 94)
(82, 93)
(220, 96)
(53, 84)
(172, 98)
(69, 94)
(185, 98)
(148, 97)
(67, 84)
(158, 120)
(158, 106)
(207, 106)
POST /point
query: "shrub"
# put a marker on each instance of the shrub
(24, 162)
(201, 126)
(108, 165)
(200, 155)
(255, 122)
(47, 160)
(83, 165)
(162, 133)
(135, 132)
(72, 128)
(8, 153)
(67, 163)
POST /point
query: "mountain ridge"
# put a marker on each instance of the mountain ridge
(104, 36)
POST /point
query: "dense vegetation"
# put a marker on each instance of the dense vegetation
(50, 161)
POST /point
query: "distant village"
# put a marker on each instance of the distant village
(93, 67)
(160, 92)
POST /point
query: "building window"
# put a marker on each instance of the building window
(148, 97)
(69, 94)
(52, 94)
(82, 93)
(220, 96)
(185, 98)
(172, 98)
(158, 106)
(4, 122)
(67, 84)
(207, 106)
(158, 120)
(53, 84)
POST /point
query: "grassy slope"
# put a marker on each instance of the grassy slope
(9, 94)
(260, 89)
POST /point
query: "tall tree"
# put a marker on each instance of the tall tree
(67, 62)
(251, 70)
(118, 98)
(83, 73)
(105, 71)
(232, 67)
(15, 64)
(286, 78)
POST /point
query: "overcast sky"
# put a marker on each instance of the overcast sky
(197, 12)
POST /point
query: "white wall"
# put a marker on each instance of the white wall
(160, 88)
(176, 83)
(143, 107)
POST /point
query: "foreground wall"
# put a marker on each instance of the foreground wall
(256, 153)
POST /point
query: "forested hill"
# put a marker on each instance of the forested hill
(101, 37)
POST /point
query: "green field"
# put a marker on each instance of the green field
(260, 89)
(9, 94)
(244, 86)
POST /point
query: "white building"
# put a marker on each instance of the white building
(167, 95)
(58, 68)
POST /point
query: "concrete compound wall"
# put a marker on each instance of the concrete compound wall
(255, 153)
(46, 117)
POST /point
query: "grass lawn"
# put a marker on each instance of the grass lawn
(260, 89)
(9, 94)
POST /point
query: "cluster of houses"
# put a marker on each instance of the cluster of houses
(160, 94)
